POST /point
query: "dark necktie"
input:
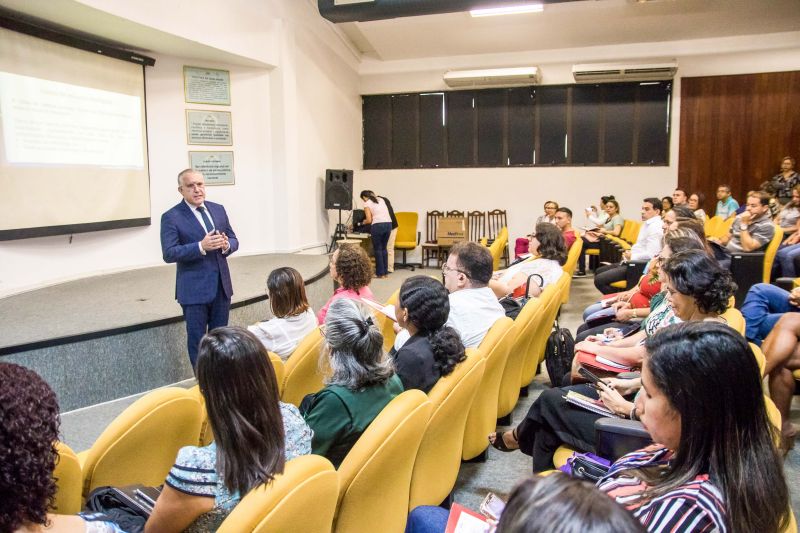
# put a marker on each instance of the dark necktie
(206, 221)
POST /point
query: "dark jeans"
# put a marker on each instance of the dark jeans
(380, 238)
(201, 318)
(764, 305)
(587, 245)
(608, 274)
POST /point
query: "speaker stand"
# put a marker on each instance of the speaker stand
(339, 233)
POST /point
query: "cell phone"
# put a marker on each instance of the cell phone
(588, 375)
(492, 506)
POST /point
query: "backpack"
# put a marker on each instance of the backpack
(558, 354)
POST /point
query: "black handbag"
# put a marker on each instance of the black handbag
(129, 507)
(513, 306)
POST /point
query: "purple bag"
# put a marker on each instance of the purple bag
(586, 466)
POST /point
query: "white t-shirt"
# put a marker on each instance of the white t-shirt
(282, 335)
(380, 213)
(549, 269)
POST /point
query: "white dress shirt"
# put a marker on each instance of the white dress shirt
(648, 243)
(282, 335)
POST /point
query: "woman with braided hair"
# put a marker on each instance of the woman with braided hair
(434, 349)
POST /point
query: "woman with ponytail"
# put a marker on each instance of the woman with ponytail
(359, 382)
(434, 349)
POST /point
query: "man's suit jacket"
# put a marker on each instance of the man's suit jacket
(198, 275)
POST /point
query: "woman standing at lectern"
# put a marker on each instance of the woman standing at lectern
(377, 214)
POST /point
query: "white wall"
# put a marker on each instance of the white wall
(523, 191)
(289, 124)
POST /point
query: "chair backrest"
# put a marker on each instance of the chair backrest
(476, 222)
(406, 229)
(733, 317)
(520, 332)
(68, 481)
(455, 213)
(497, 247)
(439, 456)
(571, 264)
(771, 251)
(141, 444)
(495, 219)
(303, 498)
(302, 369)
(386, 324)
(482, 416)
(712, 226)
(431, 224)
(551, 299)
(375, 477)
(630, 230)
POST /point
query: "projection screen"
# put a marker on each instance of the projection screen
(73, 144)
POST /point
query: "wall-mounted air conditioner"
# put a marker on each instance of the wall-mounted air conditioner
(610, 72)
(493, 77)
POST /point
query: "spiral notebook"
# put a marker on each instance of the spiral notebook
(590, 404)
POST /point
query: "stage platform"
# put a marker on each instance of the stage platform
(107, 337)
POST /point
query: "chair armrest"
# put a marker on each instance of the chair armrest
(617, 436)
(747, 269)
(786, 284)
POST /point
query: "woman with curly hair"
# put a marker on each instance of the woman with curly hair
(433, 350)
(360, 381)
(28, 433)
(548, 254)
(350, 268)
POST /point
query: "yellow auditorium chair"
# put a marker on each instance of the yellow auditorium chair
(386, 324)
(141, 444)
(551, 299)
(439, 455)
(68, 481)
(496, 248)
(571, 264)
(407, 235)
(375, 477)
(522, 332)
(482, 417)
(733, 317)
(713, 225)
(303, 375)
(749, 268)
(303, 498)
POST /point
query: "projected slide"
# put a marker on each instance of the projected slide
(47, 122)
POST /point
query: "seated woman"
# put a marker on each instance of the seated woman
(697, 289)
(548, 254)
(695, 203)
(612, 226)
(350, 268)
(433, 350)
(549, 215)
(702, 386)
(294, 318)
(255, 434)
(360, 384)
(666, 205)
(29, 423)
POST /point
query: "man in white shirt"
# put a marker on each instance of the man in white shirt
(647, 246)
(473, 305)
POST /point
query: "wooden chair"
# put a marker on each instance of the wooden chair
(455, 213)
(495, 221)
(476, 225)
(430, 249)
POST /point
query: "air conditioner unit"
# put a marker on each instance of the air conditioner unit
(610, 72)
(495, 77)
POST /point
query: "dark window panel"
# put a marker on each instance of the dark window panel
(587, 104)
(404, 131)
(431, 130)
(377, 117)
(620, 112)
(552, 107)
(460, 122)
(654, 114)
(520, 126)
(490, 106)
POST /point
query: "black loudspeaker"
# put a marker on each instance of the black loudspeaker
(339, 189)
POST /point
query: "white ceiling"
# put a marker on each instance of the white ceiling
(570, 25)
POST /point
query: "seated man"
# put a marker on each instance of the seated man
(679, 197)
(564, 223)
(473, 305)
(752, 230)
(726, 204)
(782, 351)
(764, 305)
(647, 246)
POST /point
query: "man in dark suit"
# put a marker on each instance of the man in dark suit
(197, 236)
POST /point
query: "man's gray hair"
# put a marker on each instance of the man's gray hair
(186, 171)
(354, 347)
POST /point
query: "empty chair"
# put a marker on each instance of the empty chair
(476, 224)
(375, 477)
(496, 220)
(430, 248)
(68, 481)
(498, 245)
(141, 444)
(482, 417)
(439, 456)
(303, 498)
(302, 369)
(408, 237)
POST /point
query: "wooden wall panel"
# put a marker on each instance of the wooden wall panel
(736, 130)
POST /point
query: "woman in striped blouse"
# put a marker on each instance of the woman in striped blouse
(715, 467)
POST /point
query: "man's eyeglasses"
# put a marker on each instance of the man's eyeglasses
(446, 269)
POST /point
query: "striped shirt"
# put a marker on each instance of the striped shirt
(695, 506)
